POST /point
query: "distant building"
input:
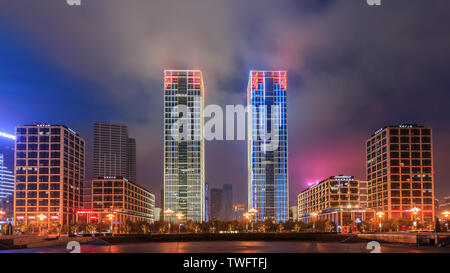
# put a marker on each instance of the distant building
(221, 203)
(227, 199)
(400, 172)
(293, 213)
(330, 198)
(436, 206)
(7, 143)
(158, 214)
(206, 202)
(217, 207)
(127, 200)
(114, 151)
(49, 174)
(445, 204)
(131, 159)
(238, 211)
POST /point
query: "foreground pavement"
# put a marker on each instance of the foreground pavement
(236, 247)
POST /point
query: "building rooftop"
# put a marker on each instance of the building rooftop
(336, 177)
(397, 126)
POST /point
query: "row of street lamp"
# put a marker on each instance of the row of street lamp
(179, 216)
(380, 215)
(168, 212)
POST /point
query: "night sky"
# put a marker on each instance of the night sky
(352, 69)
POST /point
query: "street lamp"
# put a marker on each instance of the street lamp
(41, 218)
(314, 215)
(380, 215)
(446, 214)
(415, 211)
(111, 217)
(247, 216)
(169, 213)
(253, 212)
(179, 217)
(2, 213)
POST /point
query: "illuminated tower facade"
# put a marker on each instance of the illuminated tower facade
(268, 183)
(400, 173)
(184, 160)
(7, 143)
(49, 173)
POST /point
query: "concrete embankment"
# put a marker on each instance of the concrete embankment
(408, 238)
(319, 237)
(32, 241)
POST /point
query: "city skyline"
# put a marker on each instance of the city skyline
(339, 95)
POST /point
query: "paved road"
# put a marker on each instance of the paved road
(237, 247)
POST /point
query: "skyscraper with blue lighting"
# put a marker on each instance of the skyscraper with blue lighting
(268, 183)
(7, 142)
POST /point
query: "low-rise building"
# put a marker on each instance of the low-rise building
(336, 199)
(126, 200)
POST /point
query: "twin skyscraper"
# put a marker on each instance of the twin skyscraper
(184, 158)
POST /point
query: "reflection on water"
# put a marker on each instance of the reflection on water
(235, 247)
(248, 247)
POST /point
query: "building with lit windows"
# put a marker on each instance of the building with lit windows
(184, 160)
(335, 199)
(126, 200)
(7, 143)
(400, 172)
(268, 183)
(49, 172)
(114, 151)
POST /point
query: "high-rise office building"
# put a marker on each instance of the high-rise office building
(400, 172)
(7, 174)
(114, 151)
(49, 173)
(184, 160)
(268, 183)
(227, 192)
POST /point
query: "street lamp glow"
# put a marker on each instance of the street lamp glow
(253, 211)
(179, 216)
(415, 210)
(168, 212)
(446, 213)
(380, 214)
(111, 216)
(41, 217)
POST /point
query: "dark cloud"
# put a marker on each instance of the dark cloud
(351, 69)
